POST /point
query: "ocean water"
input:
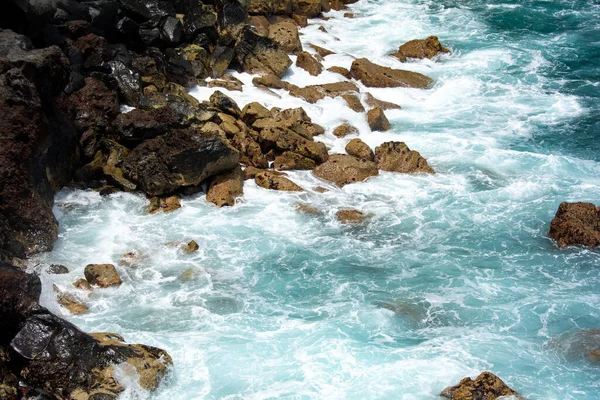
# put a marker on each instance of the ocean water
(453, 274)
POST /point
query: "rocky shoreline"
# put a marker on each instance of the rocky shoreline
(69, 69)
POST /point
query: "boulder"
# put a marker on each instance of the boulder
(103, 275)
(225, 188)
(309, 8)
(420, 48)
(225, 103)
(373, 75)
(486, 386)
(179, 158)
(164, 204)
(353, 102)
(220, 60)
(285, 34)
(340, 70)
(95, 105)
(397, 157)
(360, 149)
(260, 7)
(231, 85)
(272, 81)
(322, 52)
(274, 181)
(138, 125)
(251, 153)
(345, 130)
(377, 120)
(251, 172)
(384, 105)
(314, 93)
(254, 111)
(191, 247)
(69, 301)
(294, 119)
(342, 169)
(289, 160)
(286, 140)
(350, 216)
(308, 63)
(260, 55)
(576, 224)
(82, 284)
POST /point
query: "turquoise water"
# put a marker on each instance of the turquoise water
(452, 274)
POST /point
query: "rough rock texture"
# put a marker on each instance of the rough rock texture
(322, 52)
(103, 275)
(276, 181)
(289, 160)
(397, 157)
(420, 48)
(191, 247)
(251, 153)
(9, 384)
(260, 55)
(314, 93)
(164, 204)
(69, 301)
(360, 149)
(225, 188)
(342, 169)
(286, 140)
(374, 75)
(138, 125)
(345, 130)
(384, 105)
(308, 63)
(341, 70)
(354, 102)
(377, 120)
(350, 216)
(225, 103)
(487, 386)
(576, 224)
(285, 34)
(182, 157)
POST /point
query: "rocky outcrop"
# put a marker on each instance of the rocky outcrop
(103, 275)
(260, 55)
(360, 150)
(308, 63)
(283, 139)
(373, 75)
(285, 34)
(180, 158)
(377, 120)
(225, 188)
(342, 169)
(486, 386)
(420, 48)
(397, 157)
(276, 181)
(576, 224)
(289, 160)
(314, 93)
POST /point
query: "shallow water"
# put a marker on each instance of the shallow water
(452, 274)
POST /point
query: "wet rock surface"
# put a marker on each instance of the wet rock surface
(373, 75)
(576, 224)
(397, 157)
(486, 386)
(420, 48)
(342, 169)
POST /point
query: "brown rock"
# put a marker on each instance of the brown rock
(103, 275)
(286, 140)
(292, 161)
(420, 48)
(322, 29)
(576, 224)
(348, 15)
(377, 120)
(69, 301)
(251, 153)
(251, 172)
(82, 284)
(342, 169)
(272, 81)
(226, 84)
(307, 209)
(129, 259)
(594, 356)
(309, 8)
(374, 75)
(350, 216)
(224, 189)
(397, 157)
(260, 55)
(384, 105)
(191, 247)
(340, 70)
(270, 180)
(314, 93)
(353, 102)
(254, 111)
(165, 204)
(345, 130)
(285, 34)
(320, 189)
(260, 22)
(321, 51)
(487, 386)
(308, 63)
(360, 149)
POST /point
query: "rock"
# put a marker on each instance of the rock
(342, 169)
(576, 224)
(260, 55)
(138, 125)
(171, 30)
(314, 93)
(128, 81)
(225, 188)
(103, 275)
(165, 204)
(397, 157)
(320, 189)
(57, 269)
(309, 8)
(129, 259)
(285, 34)
(293, 161)
(373, 75)
(225, 103)
(377, 120)
(353, 102)
(178, 69)
(294, 119)
(231, 13)
(286, 140)
(594, 356)
(420, 48)
(272, 81)
(360, 149)
(220, 60)
(307, 209)
(229, 82)
(308, 63)
(179, 158)
(251, 153)
(69, 301)
(321, 51)
(578, 345)
(345, 130)
(487, 386)
(251, 172)
(350, 216)
(254, 111)
(95, 105)
(82, 284)
(273, 181)
(384, 105)
(348, 15)
(340, 70)
(191, 247)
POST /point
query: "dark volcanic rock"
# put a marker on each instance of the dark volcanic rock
(576, 224)
(138, 125)
(95, 105)
(182, 157)
(487, 386)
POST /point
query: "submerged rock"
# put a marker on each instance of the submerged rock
(342, 169)
(164, 204)
(397, 157)
(191, 247)
(373, 75)
(420, 48)
(69, 301)
(57, 269)
(578, 345)
(487, 386)
(350, 216)
(225, 188)
(576, 224)
(103, 275)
